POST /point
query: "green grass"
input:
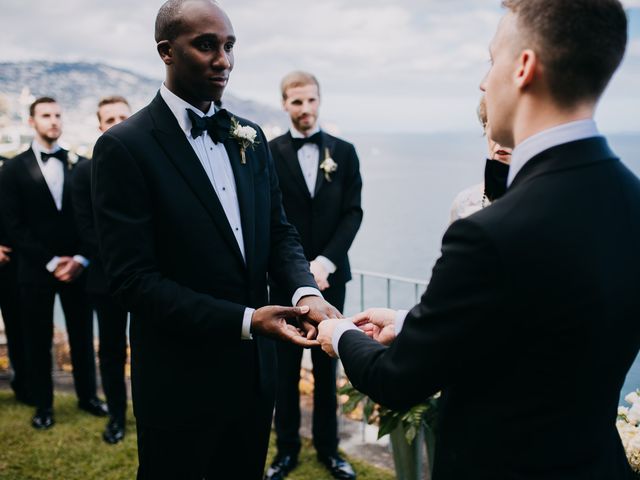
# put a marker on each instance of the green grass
(73, 449)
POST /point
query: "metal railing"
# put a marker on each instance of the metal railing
(418, 285)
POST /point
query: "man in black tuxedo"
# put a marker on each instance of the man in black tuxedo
(39, 217)
(189, 221)
(320, 180)
(530, 321)
(112, 318)
(9, 306)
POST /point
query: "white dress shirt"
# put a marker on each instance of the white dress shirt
(309, 160)
(53, 173)
(532, 146)
(216, 164)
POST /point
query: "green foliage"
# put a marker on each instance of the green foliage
(422, 414)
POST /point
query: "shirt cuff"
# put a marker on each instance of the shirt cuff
(342, 326)
(328, 265)
(401, 315)
(246, 324)
(53, 264)
(81, 260)
(305, 292)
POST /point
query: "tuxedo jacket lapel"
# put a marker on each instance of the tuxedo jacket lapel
(327, 144)
(38, 178)
(290, 156)
(243, 175)
(173, 141)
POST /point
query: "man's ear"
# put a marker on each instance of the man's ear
(527, 66)
(32, 123)
(165, 51)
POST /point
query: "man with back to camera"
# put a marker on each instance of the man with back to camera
(39, 217)
(189, 221)
(112, 318)
(530, 321)
(320, 180)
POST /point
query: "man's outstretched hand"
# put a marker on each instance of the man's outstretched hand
(271, 321)
(377, 323)
(319, 310)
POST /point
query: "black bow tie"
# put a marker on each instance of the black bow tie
(298, 143)
(218, 126)
(59, 154)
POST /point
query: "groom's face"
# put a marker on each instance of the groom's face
(200, 58)
(302, 104)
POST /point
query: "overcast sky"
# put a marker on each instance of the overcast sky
(404, 65)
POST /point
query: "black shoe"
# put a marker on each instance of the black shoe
(43, 419)
(337, 466)
(281, 467)
(94, 406)
(114, 432)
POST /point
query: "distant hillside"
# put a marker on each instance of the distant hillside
(79, 85)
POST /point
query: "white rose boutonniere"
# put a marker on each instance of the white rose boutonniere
(245, 136)
(72, 159)
(328, 165)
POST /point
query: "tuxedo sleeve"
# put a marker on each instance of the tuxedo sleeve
(351, 211)
(287, 263)
(81, 198)
(15, 219)
(458, 321)
(126, 236)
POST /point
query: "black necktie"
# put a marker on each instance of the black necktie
(59, 154)
(218, 126)
(298, 143)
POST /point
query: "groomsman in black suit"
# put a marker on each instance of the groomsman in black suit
(9, 306)
(530, 321)
(39, 217)
(112, 318)
(320, 180)
(189, 221)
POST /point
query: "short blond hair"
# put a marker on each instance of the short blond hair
(295, 79)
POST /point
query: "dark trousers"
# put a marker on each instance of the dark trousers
(13, 329)
(36, 308)
(112, 324)
(287, 416)
(232, 444)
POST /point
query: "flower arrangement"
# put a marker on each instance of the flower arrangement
(629, 429)
(328, 165)
(244, 135)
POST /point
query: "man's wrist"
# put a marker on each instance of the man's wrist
(53, 264)
(401, 315)
(246, 324)
(327, 264)
(342, 326)
(305, 292)
(81, 260)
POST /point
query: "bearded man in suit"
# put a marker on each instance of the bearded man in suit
(190, 222)
(530, 321)
(320, 179)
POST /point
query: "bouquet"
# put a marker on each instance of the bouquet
(629, 429)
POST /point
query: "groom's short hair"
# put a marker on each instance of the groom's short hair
(580, 43)
(297, 79)
(169, 24)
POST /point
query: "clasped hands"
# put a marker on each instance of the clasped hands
(317, 321)
(67, 270)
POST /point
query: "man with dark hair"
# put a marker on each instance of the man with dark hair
(112, 318)
(530, 321)
(9, 306)
(320, 180)
(39, 217)
(189, 221)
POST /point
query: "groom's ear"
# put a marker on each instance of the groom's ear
(165, 51)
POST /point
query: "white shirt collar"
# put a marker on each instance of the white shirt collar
(552, 137)
(179, 109)
(296, 134)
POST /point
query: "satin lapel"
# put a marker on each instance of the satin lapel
(293, 164)
(327, 144)
(243, 175)
(175, 144)
(36, 175)
(66, 185)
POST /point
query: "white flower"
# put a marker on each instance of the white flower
(634, 414)
(72, 158)
(245, 133)
(632, 398)
(623, 410)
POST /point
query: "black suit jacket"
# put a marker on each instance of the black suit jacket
(173, 262)
(96, 281)
(528, 326)
(36, 228)
(328, 222)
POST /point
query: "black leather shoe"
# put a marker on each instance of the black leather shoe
(337, 466)
(281, 467)
(114, 432)
(43, 419)
(94, 406)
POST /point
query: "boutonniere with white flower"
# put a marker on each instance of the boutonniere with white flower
(328, 165)
(245, 136)
(628, 425)
(72, 159)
